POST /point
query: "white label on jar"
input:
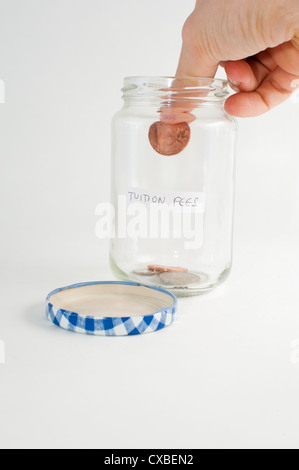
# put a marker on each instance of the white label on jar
(173, 199)
(159, 214)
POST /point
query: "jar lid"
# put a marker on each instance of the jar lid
(111, 308)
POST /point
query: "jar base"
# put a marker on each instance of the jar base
(205, 284)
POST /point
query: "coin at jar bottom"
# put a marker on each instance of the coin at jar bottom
(144, 272)
(167, 269)
(180, 279)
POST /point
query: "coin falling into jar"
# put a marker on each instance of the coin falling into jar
(169, 139)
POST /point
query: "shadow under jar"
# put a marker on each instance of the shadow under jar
(173, 172)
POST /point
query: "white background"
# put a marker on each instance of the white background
(226, 375)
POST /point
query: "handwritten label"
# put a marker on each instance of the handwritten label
(178, 199)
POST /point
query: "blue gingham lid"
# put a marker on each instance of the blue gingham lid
(111, 308)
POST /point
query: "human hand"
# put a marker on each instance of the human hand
(257, 41)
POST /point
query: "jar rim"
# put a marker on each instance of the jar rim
(203, 88)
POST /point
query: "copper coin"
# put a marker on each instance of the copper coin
(169, 139)
(167, 269)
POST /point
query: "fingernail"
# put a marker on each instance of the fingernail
(234, 85)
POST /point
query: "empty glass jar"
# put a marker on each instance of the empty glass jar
(173, 170)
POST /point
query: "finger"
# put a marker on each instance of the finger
(295, 41)
(247, 75)
(266, 59)
(241, 75)
(175, 115)
(274, 90)
(287, 57)
(181, 98)
(192, 65)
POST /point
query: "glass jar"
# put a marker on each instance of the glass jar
(173, 219)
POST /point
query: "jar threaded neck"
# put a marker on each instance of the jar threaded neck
(175, 89)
